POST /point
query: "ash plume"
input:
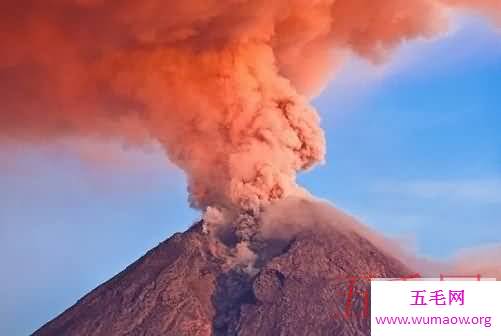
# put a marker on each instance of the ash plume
(223, 86)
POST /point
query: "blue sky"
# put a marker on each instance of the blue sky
(414, 150)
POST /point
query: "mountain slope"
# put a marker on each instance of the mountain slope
(186, 286)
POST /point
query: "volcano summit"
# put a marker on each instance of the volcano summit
(313, 281)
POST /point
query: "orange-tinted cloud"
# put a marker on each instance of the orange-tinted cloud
(223, 85)
(490, 8)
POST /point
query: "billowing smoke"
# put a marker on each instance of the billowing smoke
(223, 85)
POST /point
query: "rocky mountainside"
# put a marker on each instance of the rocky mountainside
(310, 285)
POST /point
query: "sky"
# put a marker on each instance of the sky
(414, 150)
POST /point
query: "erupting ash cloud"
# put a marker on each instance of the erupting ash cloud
(223, 85)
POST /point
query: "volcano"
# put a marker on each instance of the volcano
(313, 283)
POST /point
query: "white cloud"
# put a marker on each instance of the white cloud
(486, 190)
